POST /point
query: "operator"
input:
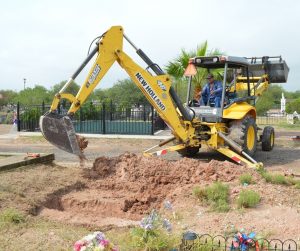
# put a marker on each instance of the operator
(212, 92)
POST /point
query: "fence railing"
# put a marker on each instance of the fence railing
(98, 118)
(206, 242)
(271, 120)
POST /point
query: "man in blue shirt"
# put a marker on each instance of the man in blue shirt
(212, 92)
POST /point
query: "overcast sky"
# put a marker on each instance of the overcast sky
(45, 41)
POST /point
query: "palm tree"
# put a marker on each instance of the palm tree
(176, 68)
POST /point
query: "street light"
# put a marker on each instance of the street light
(24, 82)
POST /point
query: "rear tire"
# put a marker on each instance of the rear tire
(268, 139)
(189, 151)
(244, 132)
(249, 137)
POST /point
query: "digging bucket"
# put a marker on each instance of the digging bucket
(59, 131)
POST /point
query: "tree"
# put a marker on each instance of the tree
(125, 92)
(73, 88)
(176, 68)
(7, 96)
(270, 99)
(264, 104)
(33, 96)
(293, 106)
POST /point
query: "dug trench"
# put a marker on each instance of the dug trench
(119, 191)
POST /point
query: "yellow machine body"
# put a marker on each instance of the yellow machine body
(187, 132)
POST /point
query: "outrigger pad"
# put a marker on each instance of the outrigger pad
(60, 132)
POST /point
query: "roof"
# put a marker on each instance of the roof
(219, 61)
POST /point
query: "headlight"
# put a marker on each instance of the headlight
(215, 60)
(198, 60)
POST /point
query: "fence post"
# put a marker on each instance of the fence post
(43, 107)
(152, 120)
(18, 117)
(103, 118)
(80, 119)
(111, 108)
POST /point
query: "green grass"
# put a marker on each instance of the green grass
(248, 199)
(279, 179)
(246, 179)
(35, 233)
(11, 215)
(199, 193)
(285, 125)
(216, 195)
(297, 185)
(274, 178)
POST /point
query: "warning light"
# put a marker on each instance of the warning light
(190, 70)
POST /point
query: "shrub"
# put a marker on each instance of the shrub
(248, 199)
(279, 179)
(217, 192)
(220, 206)
(215, 195)
(246, 178)
(297, 185)
(291, 180)
(267, 176)
(199, 193)
(11, 215)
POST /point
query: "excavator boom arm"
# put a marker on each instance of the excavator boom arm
(157, 90)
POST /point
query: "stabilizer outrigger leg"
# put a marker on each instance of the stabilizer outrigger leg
(236, 156)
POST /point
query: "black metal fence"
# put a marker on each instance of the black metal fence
(206, 242)
(271, 120)
(98, 118)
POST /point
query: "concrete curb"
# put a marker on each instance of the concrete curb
(21, 159)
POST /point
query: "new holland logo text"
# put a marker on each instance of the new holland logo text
(148, 89)
(94, 75)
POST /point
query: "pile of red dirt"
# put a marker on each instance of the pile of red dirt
(120, 190)
(144, 183)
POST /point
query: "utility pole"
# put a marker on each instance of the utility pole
(24, 82)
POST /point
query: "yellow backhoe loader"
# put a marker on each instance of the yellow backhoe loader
(230, 129)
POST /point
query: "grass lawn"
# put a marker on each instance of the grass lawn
(39, 234)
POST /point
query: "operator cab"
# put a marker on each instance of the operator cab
(239, 76)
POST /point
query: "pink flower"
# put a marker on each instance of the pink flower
(104, 243)
(78, 245)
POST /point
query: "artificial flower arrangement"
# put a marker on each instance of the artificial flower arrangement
(94, 242)
(243, 242)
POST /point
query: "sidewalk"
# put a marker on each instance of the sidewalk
(160, 135)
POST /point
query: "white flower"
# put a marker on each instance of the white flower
(89, 238)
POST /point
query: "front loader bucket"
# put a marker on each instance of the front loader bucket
(60, 132)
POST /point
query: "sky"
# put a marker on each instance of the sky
(45, 41)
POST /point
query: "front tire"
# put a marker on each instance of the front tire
(268, 139)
